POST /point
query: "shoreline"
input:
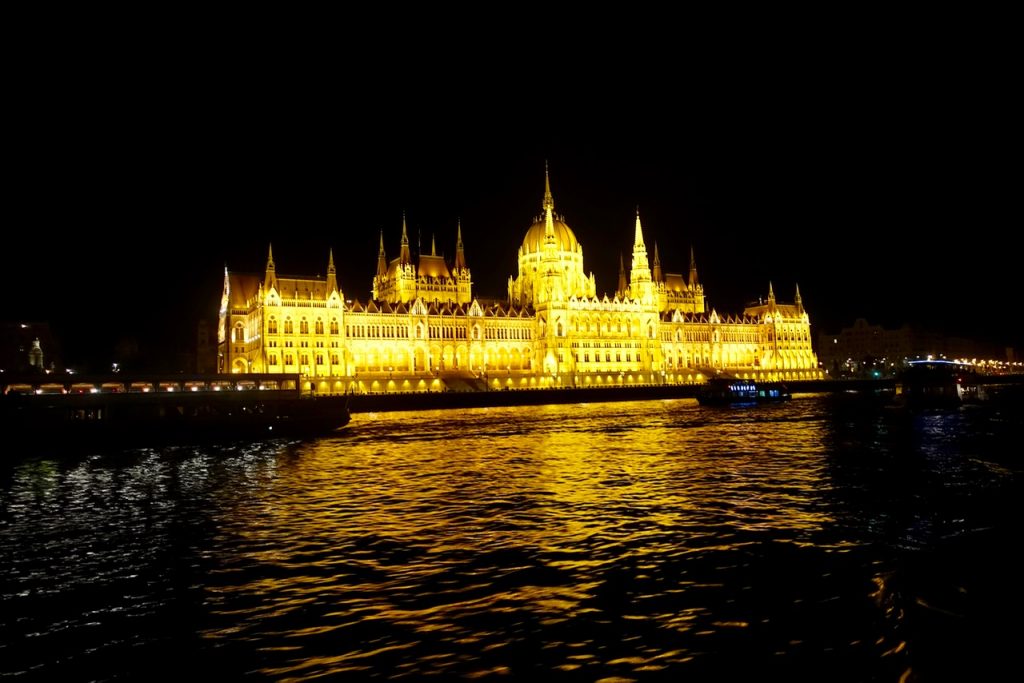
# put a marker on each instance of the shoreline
(392, 402)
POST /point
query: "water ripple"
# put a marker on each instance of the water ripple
(627, 541)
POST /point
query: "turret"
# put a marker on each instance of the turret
(270, 279)
(460, 254)
(693, 269)
(404, 257)
(332, 275)
(640, 273)
(623, 286)
(382, 261)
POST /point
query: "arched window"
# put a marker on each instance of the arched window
(272, 326)
(304, 326)
(319, 326)
(559, 331)
(334, 326)
(288, 327)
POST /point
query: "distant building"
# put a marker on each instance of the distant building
(28, 347)
(423, 324)
(864, 348)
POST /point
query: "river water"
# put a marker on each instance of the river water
(814, 540)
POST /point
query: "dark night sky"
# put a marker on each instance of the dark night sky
(135, 184)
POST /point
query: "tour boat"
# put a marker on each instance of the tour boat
(726, 391)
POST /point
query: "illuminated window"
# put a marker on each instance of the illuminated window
(319, 326)
(304, 326)
(239, 333)
(305, 359)
(272, 360)
(272, 326)
(334, 326)
(334, 359)
(289, 359)
(288, 327)
(319, 359)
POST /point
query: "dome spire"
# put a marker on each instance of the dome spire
(549, 210)
(549, 200)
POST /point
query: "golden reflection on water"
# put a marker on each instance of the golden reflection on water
(584, 542)
(551, 515)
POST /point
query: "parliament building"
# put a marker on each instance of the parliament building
(423, 329)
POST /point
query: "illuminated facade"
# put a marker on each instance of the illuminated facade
(423, 329)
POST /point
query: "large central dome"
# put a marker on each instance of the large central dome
(565, 240)
(564, 237)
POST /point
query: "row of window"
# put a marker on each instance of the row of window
(506, 333)
(289, 359)
(606, 345)
(289, 326)
(607, 357)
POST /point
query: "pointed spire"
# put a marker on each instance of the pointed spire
(658, 276)
(798, 300)
(771, 293)
(270, 279)
(460, 255)
(433, 245)
(382, 261)
(693, 268)
(622, 276)
(638, 240)
(332, 273)
(404, 257)
(549, 200)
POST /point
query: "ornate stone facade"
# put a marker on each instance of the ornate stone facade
(423, 329)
